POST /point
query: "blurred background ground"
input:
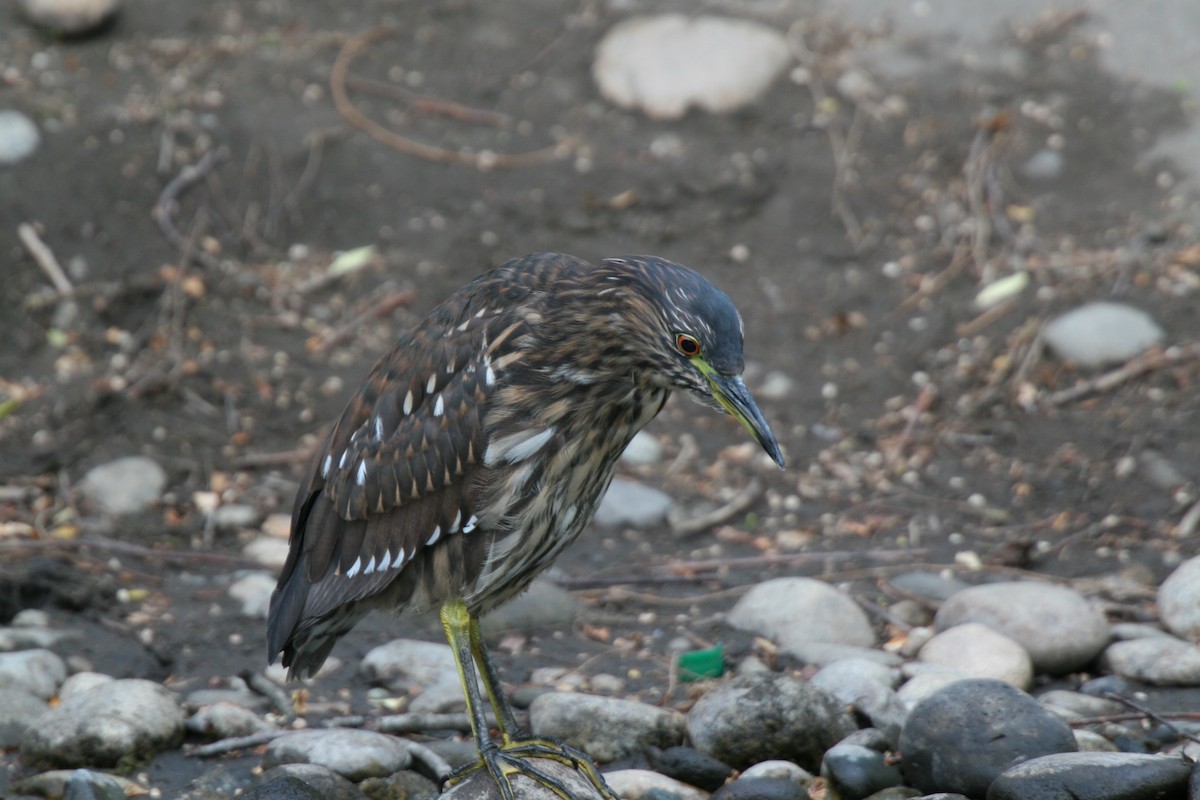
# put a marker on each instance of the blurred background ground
(201, 188)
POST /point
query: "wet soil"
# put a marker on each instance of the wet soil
(853, 227)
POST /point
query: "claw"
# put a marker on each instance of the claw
(518, 757)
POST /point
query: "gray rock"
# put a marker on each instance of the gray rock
(1179, 600)
(327, 783)
(980, 652)
(17, 638)
(928, 585)
(18, 710)
(761, 716)
(124, 486)
(353, 754)
(856, 771)
(1097, 334)
(923, 684)
(479, 785)
(70, 17)
(643, 450)
(543, 606)
(1160, 662)
(1044, 165)
(81, 682)
(1103, 776)
(960, 738)
(627, 504)
(285, 787)
(19, 137)
(666, 64)
(606, 728)
(1078, 703)
(867, 686)
(643, 784)
(269, 551)
(403, 785)
(760, 789)
(426, 670)
(253, 590)
(1059, 629)
(822, 654)
(225, 720)
(241, 697)
(784, 770)
(690, 766)
(38, 672)
(1092, 742)
(105, 726)
(1121, 631)
(800, 610)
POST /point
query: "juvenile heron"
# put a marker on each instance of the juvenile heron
(479, 448)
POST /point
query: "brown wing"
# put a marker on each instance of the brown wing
(399, 471)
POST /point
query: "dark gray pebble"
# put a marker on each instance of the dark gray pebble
(1094, 776)
(689, 766)
(856, 772)
(961, 737)
(760, 789)
(324, 783)
(285, 788)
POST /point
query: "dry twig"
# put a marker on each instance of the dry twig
(164, 209)
(483, 160)
(1137, 366)
(742, 502)
(386, 305)
(45, 259)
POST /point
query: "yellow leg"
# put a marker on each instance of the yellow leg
(509, 757)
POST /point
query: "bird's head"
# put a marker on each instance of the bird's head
(688, 334)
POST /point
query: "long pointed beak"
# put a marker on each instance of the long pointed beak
(735, 398)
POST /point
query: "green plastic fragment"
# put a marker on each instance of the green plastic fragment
(698, 665)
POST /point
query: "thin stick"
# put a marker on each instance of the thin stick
(164, 209)
(220, 748)
(1135, 367)
(386, 305)
(423, 104)
(1154, 715)
(741, 503)
(440, 155)
(45, 259)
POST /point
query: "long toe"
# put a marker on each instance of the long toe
(530, 770)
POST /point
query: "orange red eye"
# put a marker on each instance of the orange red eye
(688, 345)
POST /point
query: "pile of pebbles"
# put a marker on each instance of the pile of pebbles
(945, 710)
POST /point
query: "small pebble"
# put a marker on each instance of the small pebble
(19, 137)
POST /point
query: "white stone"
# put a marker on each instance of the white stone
(424, 669)
(253, 591)
(1098, 334)
(1179, 600)
(606, 728)
(354, 754)
(802, 611)
(643, 450)
(980, 652)
(267, 550)
(39, 672)
(627, 504)
(1059, 629)
(19, 137)
(666, 64)
(1157, 661)
(124, 486)
(643, 784)
(69, 17)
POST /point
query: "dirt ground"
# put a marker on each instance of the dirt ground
(197, 180)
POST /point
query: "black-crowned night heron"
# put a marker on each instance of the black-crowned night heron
(478, 449)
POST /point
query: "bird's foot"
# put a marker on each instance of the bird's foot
(518, 757)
